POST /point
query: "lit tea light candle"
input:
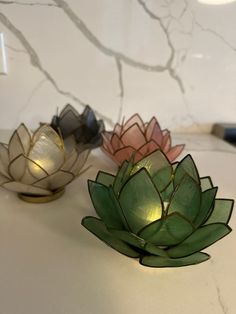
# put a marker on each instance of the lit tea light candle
(38, 167)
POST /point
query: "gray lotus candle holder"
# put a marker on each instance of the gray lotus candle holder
(85, 128)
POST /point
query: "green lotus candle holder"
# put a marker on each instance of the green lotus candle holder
(162, 213)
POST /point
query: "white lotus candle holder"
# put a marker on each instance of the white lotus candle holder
(39, 166)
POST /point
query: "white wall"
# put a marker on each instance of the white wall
(174, 59)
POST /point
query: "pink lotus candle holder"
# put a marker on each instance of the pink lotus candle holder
(137, 138)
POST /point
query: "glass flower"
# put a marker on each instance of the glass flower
(162, 213)
(84, 127)
(38, 166)
(139, 138)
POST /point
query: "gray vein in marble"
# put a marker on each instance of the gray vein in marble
(33, 92)
(16, 49)
(35, 62)
(119, 57)
(185, 8)
(170, 16)
(220, 300)
(34, 58)
(96, 42)
(121, 86)
(181, 53)
(169, 65)
(77, 21)
(219, 296)
(214, 33)
(28, 3)
(207, 29)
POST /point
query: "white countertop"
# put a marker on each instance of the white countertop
(50, 264)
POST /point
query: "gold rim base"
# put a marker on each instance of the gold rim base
(41, 198)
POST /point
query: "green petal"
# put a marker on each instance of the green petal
(186, 199)
(138, 242)
(156, 261)
(162, 178)
(104, 205)
(167, 192)
(97, 227)
(208, 198)
(158, 167)
(122, 176)
(200, 239)
(186, 166)
(105, 178)
(150, 232)
(140, 201)
(170, 230)
(118, 208)
(128, 237)
(206, 183)
(155, 250)
(222, 211)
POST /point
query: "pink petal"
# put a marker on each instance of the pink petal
(174, 152)
(135, 119)
(153, 131)
(125, 154)
(148, 148)
(149, 128)
(137, 157)
(166, 141)
(107, 136)
(116, 143)
(106, 148)
(133, 137)
(117, 129)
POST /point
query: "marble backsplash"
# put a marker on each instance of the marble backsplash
(175, 59)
